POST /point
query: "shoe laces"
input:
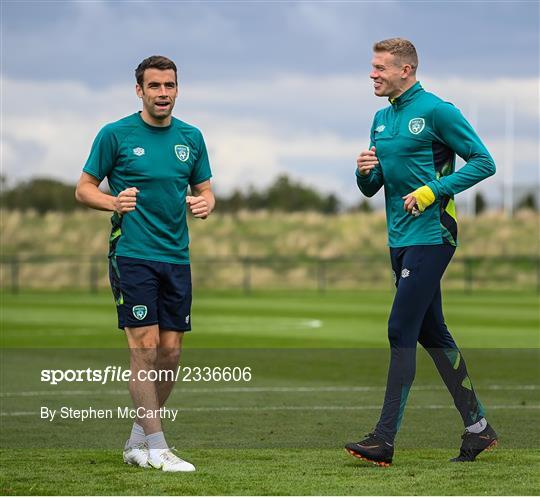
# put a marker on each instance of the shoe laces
(170, 457)
(371, 437)
(138, 446)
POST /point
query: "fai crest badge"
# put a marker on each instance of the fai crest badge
(416, 125)
(182, 152)
(139, 311)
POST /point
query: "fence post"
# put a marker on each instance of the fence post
(93, 275)
(246, 265)
(14, 275)
(538, 275)
(468, 274)
(321, 275)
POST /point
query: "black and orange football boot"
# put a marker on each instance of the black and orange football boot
(474, 443)
(373, 449)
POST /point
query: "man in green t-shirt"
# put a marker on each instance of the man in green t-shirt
(413, 145)
(150, 159)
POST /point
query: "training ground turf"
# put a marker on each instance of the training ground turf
(318, 364)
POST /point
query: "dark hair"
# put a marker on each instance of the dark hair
(403, 50)
(156, 62)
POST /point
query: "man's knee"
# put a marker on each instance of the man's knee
(436, 335)
(143, 343)
(143, 337)
(144, 357)
(168, 357)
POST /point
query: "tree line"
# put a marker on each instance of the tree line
(284, 194)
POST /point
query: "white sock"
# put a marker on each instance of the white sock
(156, 444)
(137, 435)
(478, 427)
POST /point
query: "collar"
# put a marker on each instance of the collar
(407, 96)
(158, 129)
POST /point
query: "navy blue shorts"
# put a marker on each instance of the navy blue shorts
(150, 293)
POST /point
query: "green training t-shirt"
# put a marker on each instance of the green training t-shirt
(416, 139)
(161, 162)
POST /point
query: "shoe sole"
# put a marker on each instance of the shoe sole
(150, 466)
(134, 464)
(365, 459)
(492, 445)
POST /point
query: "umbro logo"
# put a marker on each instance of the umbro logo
(138, 151)
(380, 129)
(405, 273)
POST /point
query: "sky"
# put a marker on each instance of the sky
(275, 87)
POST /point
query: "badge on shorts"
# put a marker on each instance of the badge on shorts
(416, 125)
(182, 152)
(139, 311)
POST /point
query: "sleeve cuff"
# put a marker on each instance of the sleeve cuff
(434, 186)
(362, 177)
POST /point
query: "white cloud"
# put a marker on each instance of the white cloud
(311, 128)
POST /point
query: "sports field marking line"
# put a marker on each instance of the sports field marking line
(299, 389)
(303, 408)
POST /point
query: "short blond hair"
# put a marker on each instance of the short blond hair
(399, 47)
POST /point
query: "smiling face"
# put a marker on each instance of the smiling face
(390, 77)
(158, 93)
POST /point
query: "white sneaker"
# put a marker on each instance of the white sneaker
(167, 461)
(136, 455)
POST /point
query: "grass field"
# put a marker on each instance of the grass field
(318, 363)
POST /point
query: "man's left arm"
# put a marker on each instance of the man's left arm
(456, 132)
(202, 202)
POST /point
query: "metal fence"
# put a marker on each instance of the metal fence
(58, 272)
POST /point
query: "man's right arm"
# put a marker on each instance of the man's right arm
(369, 177)
(88, 193)
(99, 164)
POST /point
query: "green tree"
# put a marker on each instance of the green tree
(363, 207)
(528, 202)
(479, 203)
(41, 194)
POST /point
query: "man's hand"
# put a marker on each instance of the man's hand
(198, 206)
(416, 202)
(126, 200)
(366, 161)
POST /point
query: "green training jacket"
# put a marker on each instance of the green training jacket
(417, 138)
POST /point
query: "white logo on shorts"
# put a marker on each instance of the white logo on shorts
(138, 151)
(380, 128)
(405, 273)
(187, 319)
(139, 311)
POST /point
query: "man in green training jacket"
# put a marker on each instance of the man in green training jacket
(413, 145)
(150, 159)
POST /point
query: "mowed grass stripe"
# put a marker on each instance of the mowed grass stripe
(348, 319)
(271, 472)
